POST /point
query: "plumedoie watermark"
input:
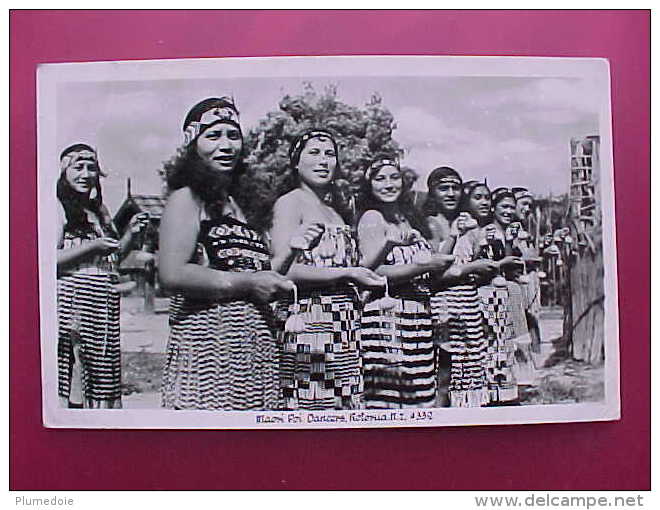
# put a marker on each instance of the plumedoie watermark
(40, 502)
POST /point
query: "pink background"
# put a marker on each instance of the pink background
(609, 455)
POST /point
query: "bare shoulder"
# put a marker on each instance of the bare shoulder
(183, 199)
(290, 199)
(183, 209)
(289, 204)
(371, 219)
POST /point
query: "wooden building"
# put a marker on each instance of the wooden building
(584, 313)
(141, 264)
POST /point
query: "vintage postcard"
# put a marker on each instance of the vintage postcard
(327, 242)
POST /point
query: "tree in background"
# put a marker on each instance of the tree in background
(362, 134)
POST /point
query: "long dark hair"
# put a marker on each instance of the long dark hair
(186, 169)
(75, 204)
(338, 198)
(406, 201)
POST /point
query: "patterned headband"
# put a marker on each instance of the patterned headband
(470, 186)
(444, 175)
(519, 193)
(74, 156)
(501, 193)
(212, 116)
(448, 179)
(378, 164)
(300, 142)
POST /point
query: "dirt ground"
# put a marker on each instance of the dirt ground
(554, 379)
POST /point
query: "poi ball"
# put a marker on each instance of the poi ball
(499, 281)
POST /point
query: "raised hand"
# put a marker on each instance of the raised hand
(512, 230)
(105, 246)
(463, 223)
(307, 236)
(490, 231)
(395, 236)
(138, 223)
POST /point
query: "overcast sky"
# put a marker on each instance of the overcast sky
(515, 131)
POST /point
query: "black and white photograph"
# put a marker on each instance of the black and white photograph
(316, 242)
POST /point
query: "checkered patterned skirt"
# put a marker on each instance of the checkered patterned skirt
(398, 353)
(499, 325)
(320, 367)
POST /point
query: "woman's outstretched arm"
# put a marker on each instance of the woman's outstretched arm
(375, 239)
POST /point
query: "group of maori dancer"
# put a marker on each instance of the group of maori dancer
(312, 303)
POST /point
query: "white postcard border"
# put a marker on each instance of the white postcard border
(50, 75)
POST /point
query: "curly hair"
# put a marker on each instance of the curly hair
(187, 169)
(367, 201)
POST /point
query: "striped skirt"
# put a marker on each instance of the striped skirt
(398, 353)
(220, 356)
(457, 313)
(88, 350)
(320, 367)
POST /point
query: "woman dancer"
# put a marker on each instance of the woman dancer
(476, 201)
(397, 334)
(221, 353)
(313, 244)
(502, 298)
(529, 283)
(88, 252)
